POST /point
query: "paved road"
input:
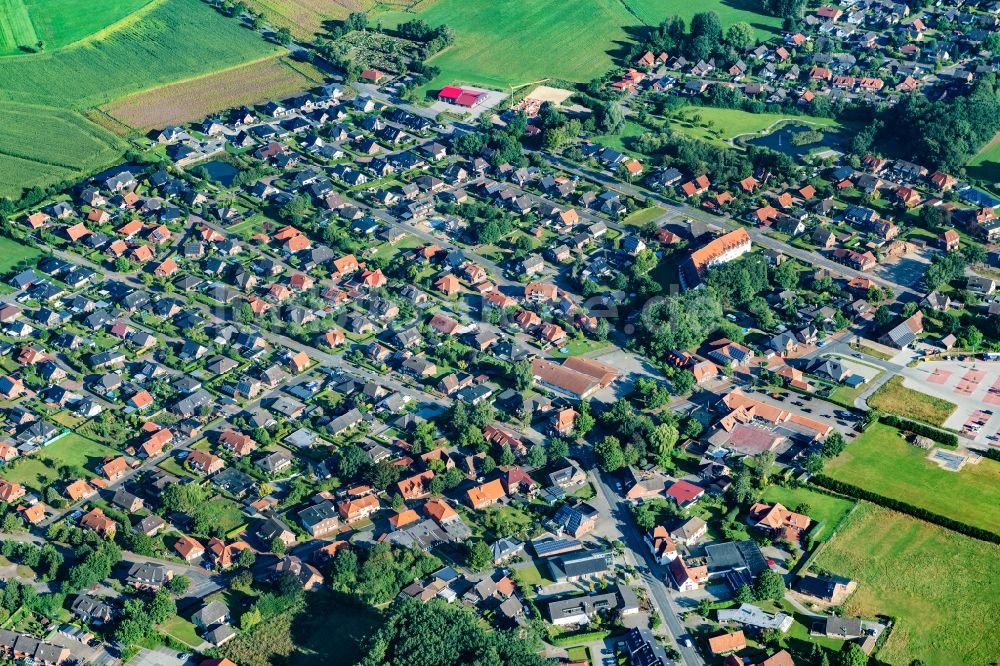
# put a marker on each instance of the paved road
(756, 235)
(632, 537)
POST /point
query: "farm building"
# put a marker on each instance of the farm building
(461, 96)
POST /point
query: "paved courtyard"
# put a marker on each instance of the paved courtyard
(974, 387)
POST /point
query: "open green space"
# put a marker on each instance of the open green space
(165, 41)
(182, 630)
(825, 510)
(881, 461)
(508, 44)
(317, 645)
(535, 572)
(13, 254)
(641, 218)
(897, 399)
(941, 586)
(718, 126)
(985, 165)
(41, 469)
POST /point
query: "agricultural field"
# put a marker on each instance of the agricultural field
(881, 461)
(941, 586)
(41, 469)
(509, 44)
(57, 23)
(164, 42)
(895, 398)
(985, 165)
(304, 18)
(177, 103)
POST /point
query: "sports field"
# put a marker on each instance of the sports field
(941, 586)
(165, 41)
(177, 103)
(881, 461)
(502, 44)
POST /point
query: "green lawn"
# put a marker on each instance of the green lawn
(941, 586)
(880, 460)
(182, 630)
(167, 41)
(985, 165)
(823, 508)
(895, 398)
(642, 217)
(725, 124)
(41, 469)
(578, 347)
(534, 573)
(12, 254)
(624, 141)
(504, 44)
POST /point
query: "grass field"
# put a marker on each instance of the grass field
(883, 462)
(41, 469)
(13, 253)
(164, 42)
(895, 398)
(986, 163)
(823, 508)
(642, 217)
(503, 44)
(941, 586)
(177, 103)
(726, 124)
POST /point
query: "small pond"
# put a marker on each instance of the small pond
(780, 140)
(221, 172)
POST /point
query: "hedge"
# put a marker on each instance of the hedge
(580, 638)
(903, 507)
(992, 454)
(939, 436)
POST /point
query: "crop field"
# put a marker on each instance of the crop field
(881, 461)
(503, 44)
(178, 103)
(941, 586)
(304, 18)
(16, 29)
(895, 398)
(59, 23)
(164, 42)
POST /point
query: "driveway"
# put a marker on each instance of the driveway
(161, 656)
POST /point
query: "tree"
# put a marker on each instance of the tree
(506, 456)
(770, 585)
(742, 491)
(741, 36)
(178, 584)
(489, 465)
(478, 555)
(278, 546)
(352, 461)
(851, 654)
(246, 559)
(744, 594)
(283, 36)
(762, 464)
(522, 375)
(833, 445)
(610, 456)
(536, 456)
(161, 606)
(584, 420)
(813, 464)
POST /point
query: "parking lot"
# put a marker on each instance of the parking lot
(974, 387)
(161, 656)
